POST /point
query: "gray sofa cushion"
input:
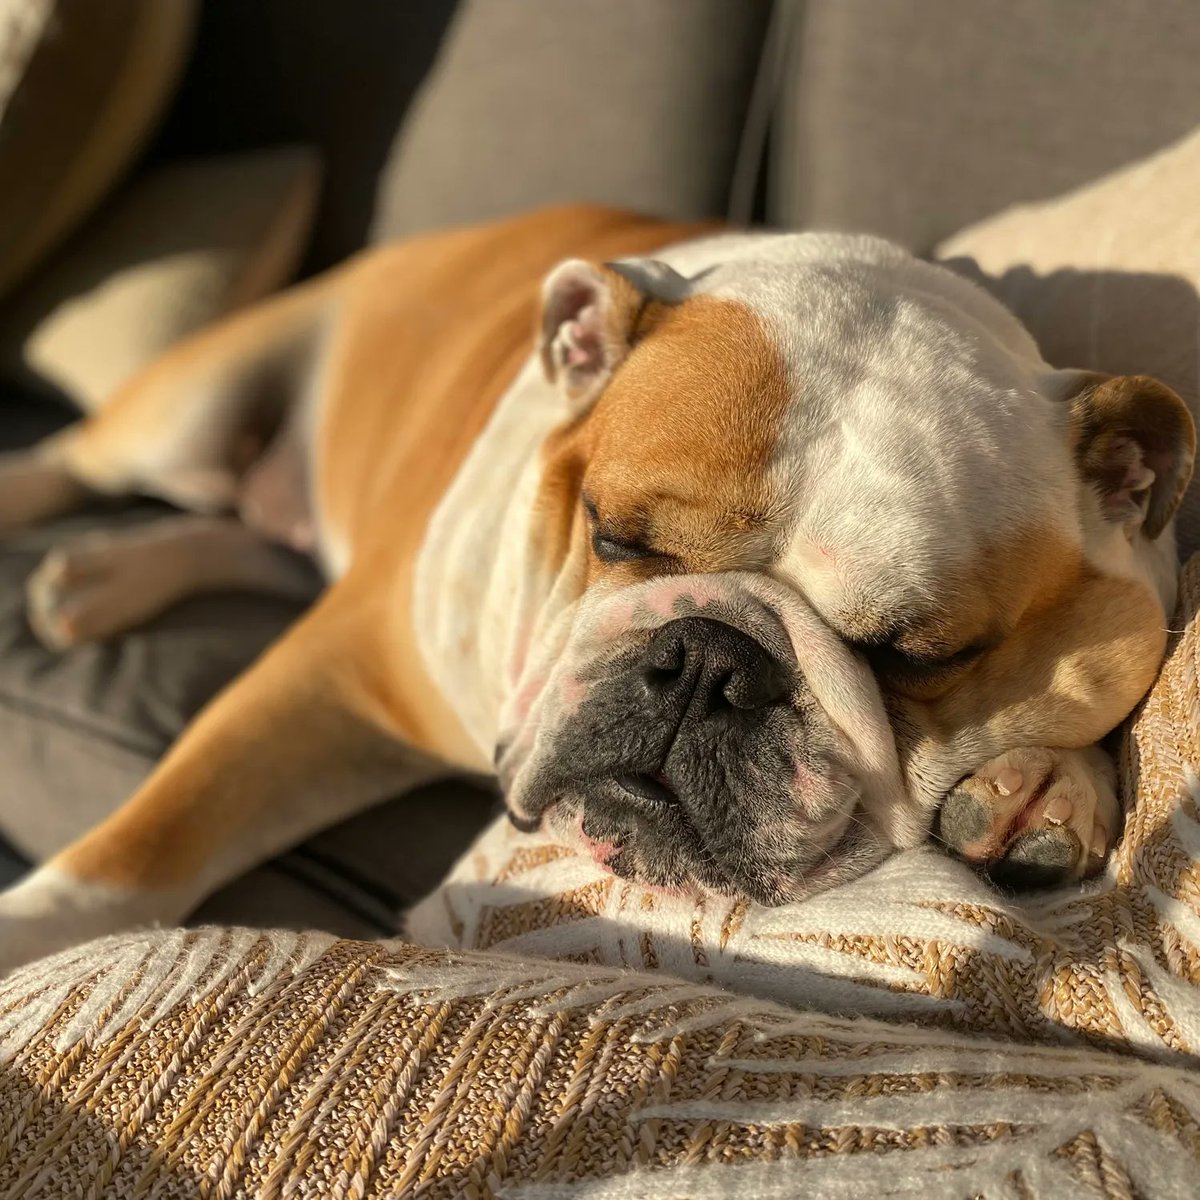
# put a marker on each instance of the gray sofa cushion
(637, 103)
(915, 119)
(81, 730)
(337, 77)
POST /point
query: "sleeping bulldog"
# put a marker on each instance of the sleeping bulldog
(742, 558)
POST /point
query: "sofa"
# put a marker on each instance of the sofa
(233, 1061)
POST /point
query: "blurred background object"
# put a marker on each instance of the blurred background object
(166, 161)
(82, 87)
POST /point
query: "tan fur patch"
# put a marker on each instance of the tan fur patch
(434, 333)
(1066, 652)
(676, 452)
(421, 340)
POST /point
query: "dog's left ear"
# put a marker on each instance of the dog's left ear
(592, 315)
(1134, 441)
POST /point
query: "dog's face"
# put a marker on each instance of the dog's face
(825, 533)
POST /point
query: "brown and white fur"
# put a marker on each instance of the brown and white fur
(760, 549)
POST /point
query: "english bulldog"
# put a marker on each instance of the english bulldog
(742, 558)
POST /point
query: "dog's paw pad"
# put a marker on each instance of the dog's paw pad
(1034, 817)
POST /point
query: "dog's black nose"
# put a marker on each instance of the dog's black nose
(710, 668)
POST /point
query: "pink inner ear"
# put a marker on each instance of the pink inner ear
(1138, 477)
(578, 348)
(577, 351)
(581, 339)
(1124, 502)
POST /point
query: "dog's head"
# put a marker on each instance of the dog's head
(825, 533)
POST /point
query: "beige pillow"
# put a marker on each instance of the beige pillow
(179, 247)
(82, 86)
(1107, 277)
(921, 938)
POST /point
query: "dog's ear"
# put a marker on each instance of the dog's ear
(1134, 442)
(593, 314)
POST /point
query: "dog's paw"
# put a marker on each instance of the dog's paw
(1035, 817)
(85, 591)
(51, 910)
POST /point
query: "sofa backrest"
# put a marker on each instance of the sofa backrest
(912, 118)
(637, 103)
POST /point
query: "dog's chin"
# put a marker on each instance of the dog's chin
(638, 829)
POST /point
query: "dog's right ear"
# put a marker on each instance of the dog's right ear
(593, 314)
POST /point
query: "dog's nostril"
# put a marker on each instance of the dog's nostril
(664, 661)
(656, 677)
(713, 667)
(755, 688)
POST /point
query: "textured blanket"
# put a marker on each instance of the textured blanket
(237, 1064)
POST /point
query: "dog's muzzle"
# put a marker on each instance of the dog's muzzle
(681, 767)
(699, 681)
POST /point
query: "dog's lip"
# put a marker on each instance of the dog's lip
(777, 886)
(652, 787)
(521, 822)
(649, 789)
(601, 850)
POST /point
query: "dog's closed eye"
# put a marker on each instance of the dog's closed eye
(893, 660)
(610, 550)
(614, 546)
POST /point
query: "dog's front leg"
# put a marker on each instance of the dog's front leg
(306, 737)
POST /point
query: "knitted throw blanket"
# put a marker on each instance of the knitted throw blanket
(232, 1064)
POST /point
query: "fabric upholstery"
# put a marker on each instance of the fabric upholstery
(636, 103)
(181, 246)
(1107, 277)
(81, 729)
(81, 88)
(922, 937)
(913, 119)
(236, 1063)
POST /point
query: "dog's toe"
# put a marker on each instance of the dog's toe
(66, 599)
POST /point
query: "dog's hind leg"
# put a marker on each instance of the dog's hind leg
(99, 585)
(309, 735)
(189, 425)
(35, 486)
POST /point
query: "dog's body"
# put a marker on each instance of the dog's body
(769, 543)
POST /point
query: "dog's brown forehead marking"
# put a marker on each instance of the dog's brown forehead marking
(677, 450)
